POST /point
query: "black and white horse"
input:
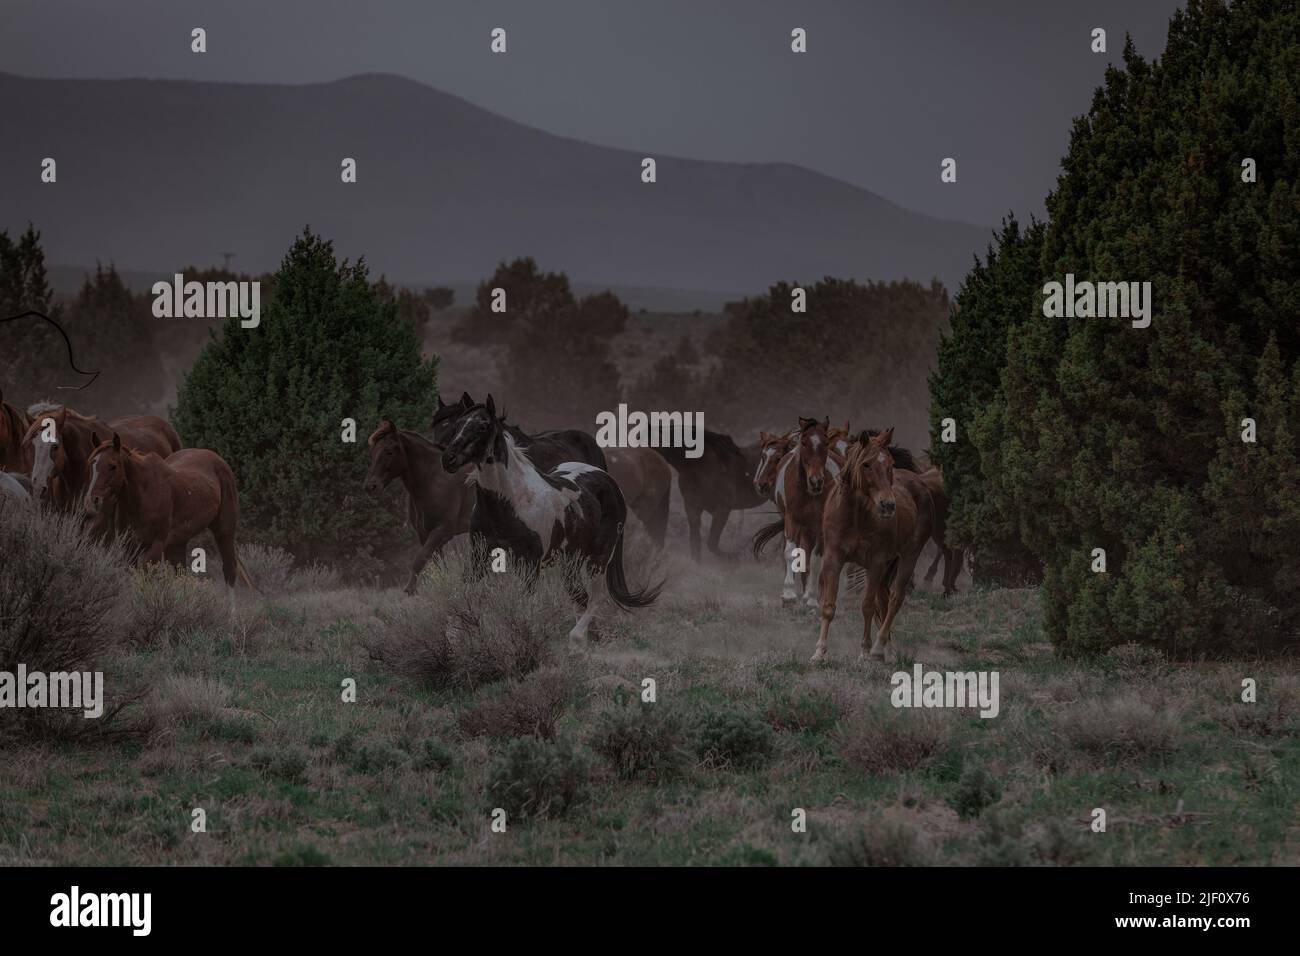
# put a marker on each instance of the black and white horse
(547, 449)
(572, 509)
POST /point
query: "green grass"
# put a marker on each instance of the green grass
(290, 775)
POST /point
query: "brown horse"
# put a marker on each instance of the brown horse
(15, 454)
(772, 448)
(802, 477)
(720, 481)
(647, 485)
(952, 557)
(62, 442)
(438, 504)
(159, 505)
(879, 518)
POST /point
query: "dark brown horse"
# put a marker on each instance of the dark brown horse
(15, 454)
(719, 482)
(159, 505)
(952, 557)
(62, 441)
(647, 485)
(879, 518)
(438, 504)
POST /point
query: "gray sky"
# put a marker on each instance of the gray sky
(887, 89)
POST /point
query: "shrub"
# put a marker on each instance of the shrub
(976, 790)
(271, 568)
(817, 712)
(459, 634)
(1126, 725)
(536, 778)
(165, 604)
(881, 843)
(270, 400)
(881, 740)
(532, 705)
(287, 764)
(729, 737)
(645, 741)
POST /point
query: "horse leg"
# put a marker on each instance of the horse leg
(597, 590)
(693, 524)
(881, 649)
(871, 591)
(828, 585)
(815, 561)
(951, 568)
(657, 520)
(174, 554)
(574, 584)
(229, 560)
(431, 545)
(934, 566)
(716, 523)
(788, 596)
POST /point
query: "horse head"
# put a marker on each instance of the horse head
(771, 449)
(387, 458)
(47, 433)
(107, 480)
(479, 438)
(443, 423)
(870, 468)
(814, 448)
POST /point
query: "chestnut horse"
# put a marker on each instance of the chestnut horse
(771, 449)
(160, 504)
(879, 518)
(801, 481)
(438, 503)
(647, 485)
(15, 454)
(62, 441)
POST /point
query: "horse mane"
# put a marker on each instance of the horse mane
(902, 457)
(726, 442)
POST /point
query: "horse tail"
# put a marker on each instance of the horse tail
(765, 534)
(616, 581)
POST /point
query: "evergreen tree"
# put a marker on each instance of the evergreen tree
(271, 401)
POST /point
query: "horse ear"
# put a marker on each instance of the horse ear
(466, 401)
(863, 437)
(94, 439)
(491, 406)
(826, 422)
(886, 437)
(117, 442)
(441, 403)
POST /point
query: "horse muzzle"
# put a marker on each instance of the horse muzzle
(451, 461)
(764, 488)
(888, 508)
(816, 486)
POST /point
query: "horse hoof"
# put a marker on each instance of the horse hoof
(789, 601)
(819, 655)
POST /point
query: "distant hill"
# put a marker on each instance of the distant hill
(157, 174)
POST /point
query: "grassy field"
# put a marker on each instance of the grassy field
(468, 700)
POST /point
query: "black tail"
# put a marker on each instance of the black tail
(765, 534)
(616, 581)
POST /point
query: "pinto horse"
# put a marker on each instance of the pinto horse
(573, 509)
(772, 448)
(546, 449)
(438, 503)
(15, 454)
(801, 480)
(160, 504)
(647, 485)
(62, 442)
(880, 518)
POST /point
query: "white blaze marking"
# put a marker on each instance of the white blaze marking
(43, 463)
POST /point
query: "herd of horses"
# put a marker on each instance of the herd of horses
(842, 500)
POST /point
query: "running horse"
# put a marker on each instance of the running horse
(438, 504)
(62, 441)
(573, 509)
(15, 453)
(878, 517)
(719, 482)
(160, 504)
(647, 485)
(546, 449)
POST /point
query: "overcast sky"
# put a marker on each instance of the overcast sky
(887, 89)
